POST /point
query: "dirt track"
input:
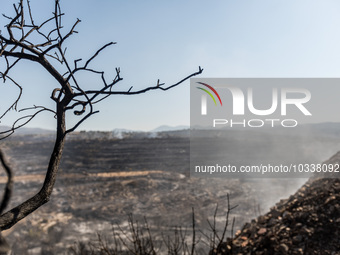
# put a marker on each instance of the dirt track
(41, 177)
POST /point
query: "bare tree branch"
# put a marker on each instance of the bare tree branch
(27, 118)
(44, 43)
(129, 92)
(15, 103)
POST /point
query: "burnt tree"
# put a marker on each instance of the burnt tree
(24, 39)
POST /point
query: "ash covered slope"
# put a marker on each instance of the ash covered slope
(308, 222)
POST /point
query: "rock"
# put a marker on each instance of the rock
(275, 213)
(272, 222)
(283, 249)
(262, 231)
(298, 251)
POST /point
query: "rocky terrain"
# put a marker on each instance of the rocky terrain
(308, 222)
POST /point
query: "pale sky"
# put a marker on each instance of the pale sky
(168, 40)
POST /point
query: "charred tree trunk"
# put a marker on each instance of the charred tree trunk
(10, 218)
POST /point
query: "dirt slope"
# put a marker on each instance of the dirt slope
(308, 222)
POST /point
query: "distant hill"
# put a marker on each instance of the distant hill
(169, 128)
(28, 131)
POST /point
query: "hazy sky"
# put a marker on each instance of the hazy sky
(168, 40)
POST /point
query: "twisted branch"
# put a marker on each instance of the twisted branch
(26, 40)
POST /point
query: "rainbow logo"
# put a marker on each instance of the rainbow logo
(209, 93)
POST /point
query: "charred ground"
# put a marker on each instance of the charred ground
(103, 179)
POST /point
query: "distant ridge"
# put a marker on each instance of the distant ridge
(28, 131)
(169, 128)
(162, 128)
